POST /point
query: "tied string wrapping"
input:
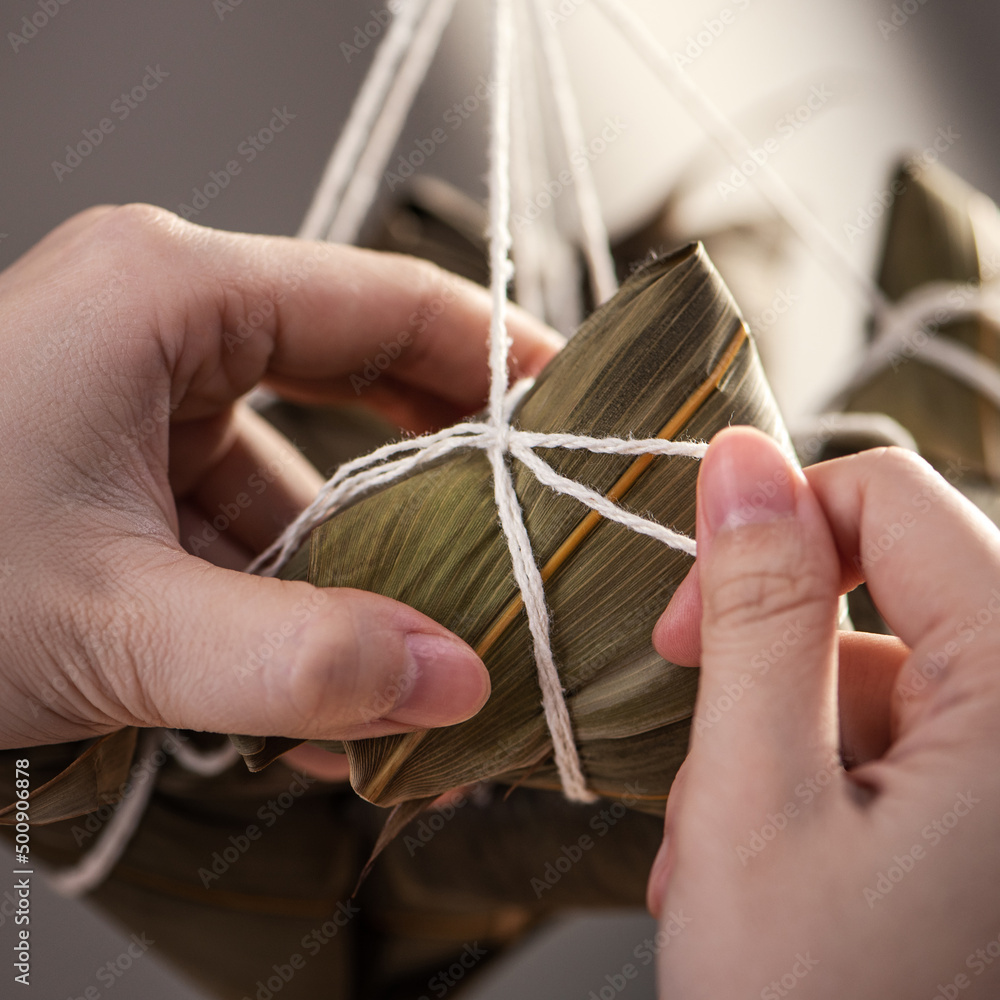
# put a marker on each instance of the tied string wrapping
(337, 211)
(909, 329)
(501, 442)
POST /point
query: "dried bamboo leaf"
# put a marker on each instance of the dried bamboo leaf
(96, 778)
(668, 356)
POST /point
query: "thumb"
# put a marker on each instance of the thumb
(769, 576)
(239, 653)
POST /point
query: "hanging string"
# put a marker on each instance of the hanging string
(596, 245)
(355, 134)
(154, 744)
(526, 572)
(737, 147)
(337, 211)
(529, 282)
(363, 186)
(95, 866)
(538, 212)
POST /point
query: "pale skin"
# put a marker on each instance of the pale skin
(795, 877)
(129, 338)
(122, 426)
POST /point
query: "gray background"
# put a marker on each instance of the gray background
(224, 78)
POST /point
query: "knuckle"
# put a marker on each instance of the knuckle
(324, 679)
(901, 461)
(137, 221)
(428, 278)
(127, 236)
(767, 578)
(115, 655)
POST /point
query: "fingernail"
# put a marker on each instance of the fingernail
(747, 480)
(450, 683)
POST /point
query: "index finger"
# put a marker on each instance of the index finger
(227, 309)
(930, 557)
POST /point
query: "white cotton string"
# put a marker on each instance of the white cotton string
(355, 134)
(737, 147)
(204, 763)
(538, 211)
(501, 267)
(95, 866)
(529, 284)
(611, 446)
(596, 245)
(374, 471)
(499, 440)
(371, 470)
(363, 185)
(529, 579)
(908, 329)
(546, 475)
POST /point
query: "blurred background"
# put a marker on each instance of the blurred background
(841, 89)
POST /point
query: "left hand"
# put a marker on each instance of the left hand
(129, 338)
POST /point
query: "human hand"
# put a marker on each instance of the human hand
(129, 337)
(781, 873)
